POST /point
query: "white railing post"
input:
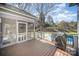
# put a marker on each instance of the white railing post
(75, 42)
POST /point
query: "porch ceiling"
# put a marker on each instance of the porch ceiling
(15, 13)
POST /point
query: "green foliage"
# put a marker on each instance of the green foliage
(46, 25)
(63, 26)
(72, 4)
(50, 20)
(68, 26)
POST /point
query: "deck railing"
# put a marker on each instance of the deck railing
(70, 40)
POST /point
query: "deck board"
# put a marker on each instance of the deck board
(60, 52)
(28, 48)
(32, 48)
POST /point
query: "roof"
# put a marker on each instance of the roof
(16, 10)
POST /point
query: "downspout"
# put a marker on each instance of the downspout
(1, 33)
(77, 29)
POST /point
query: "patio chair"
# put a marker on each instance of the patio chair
(61, 44)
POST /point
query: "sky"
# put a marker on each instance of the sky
(64, 12)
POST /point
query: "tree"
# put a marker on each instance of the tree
(23, 6)
(41, 8)
(50, 20)
(61, 25)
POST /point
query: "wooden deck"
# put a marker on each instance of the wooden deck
(30, 48)
(61, 53)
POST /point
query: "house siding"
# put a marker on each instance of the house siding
(9, 27)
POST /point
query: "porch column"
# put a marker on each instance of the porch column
(16, 31)
(26, 31)
(0, 32)
(34, 30)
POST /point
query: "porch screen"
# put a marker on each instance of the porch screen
(9, 31)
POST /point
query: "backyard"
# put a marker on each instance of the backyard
(38, 29)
